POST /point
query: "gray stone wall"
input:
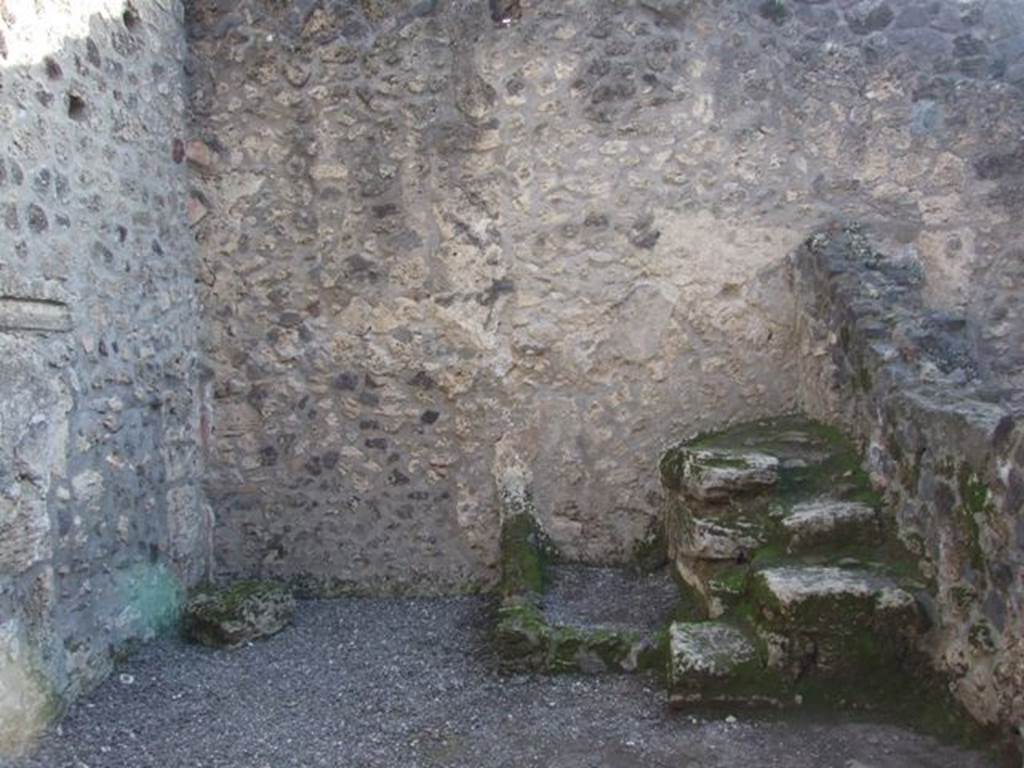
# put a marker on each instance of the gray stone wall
(101, 520)
(944, 442)
(445, 242)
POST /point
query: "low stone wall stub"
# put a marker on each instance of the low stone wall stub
(942, 441)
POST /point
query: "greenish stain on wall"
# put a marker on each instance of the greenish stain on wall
(153, 596)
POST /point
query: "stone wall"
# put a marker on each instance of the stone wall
(101, 521)
(449, 246)
(445, 242)
(943, 441)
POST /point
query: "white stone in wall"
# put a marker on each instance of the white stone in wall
(23, 700)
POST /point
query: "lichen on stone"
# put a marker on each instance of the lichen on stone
(230, 616)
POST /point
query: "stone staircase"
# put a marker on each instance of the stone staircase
(785, 582)
(794, 581)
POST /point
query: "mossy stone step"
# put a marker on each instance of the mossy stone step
(810, 459)
(713, 588)
(826, 600)
(713, 662)
(794, 629)
(842, 623)
(824, 522)
(736, 534)
(734, 538)
(713, 555)
(815, 506)
(717, 474)
(797, 589)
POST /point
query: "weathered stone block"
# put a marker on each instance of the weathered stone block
(828, 521)
(31, 314)
(228, 617)
(717, 474)
(715, 662)
(830, 601)
(724, 539)
(24, 534)
(526, 641)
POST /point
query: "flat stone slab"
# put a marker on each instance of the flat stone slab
(715, 474)
(830, 521)
(827, 600)
(706, 660)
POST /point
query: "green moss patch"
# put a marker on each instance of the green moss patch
(525, 551)
(975, 508)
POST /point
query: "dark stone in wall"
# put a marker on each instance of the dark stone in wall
(37, 221)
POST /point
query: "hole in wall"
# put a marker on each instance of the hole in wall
(505, 12)
(53, 69)
(76, 107)
(131, 16)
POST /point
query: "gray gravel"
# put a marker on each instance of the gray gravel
(411, 683)
(611, 598)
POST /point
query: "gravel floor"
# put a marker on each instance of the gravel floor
(411, 683)
(591, 596)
